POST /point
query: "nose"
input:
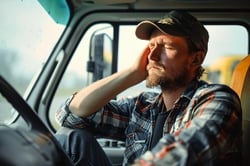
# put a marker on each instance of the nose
(155, 52)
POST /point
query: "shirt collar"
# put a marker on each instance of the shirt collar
(186, 95)
(191, 89)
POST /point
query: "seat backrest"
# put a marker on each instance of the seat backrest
(241, 84)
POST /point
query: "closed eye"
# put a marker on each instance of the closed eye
(169, 47)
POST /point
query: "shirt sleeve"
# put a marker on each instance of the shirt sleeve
(110, 121)
(212, 131)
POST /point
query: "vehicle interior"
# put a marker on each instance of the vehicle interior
(96, 41)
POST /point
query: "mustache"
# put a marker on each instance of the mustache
(155, 65)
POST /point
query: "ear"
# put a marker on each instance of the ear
(198, 58)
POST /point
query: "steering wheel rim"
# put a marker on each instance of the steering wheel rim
(30, 117)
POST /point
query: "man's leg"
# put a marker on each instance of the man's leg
(82, 147)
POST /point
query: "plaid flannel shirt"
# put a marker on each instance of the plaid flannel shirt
(203, 127)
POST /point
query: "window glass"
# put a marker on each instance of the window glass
(28, 35)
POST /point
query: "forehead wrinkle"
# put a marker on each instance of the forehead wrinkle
(167, 41)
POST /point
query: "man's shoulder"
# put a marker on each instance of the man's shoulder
(215, 89)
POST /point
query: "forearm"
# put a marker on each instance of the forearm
(93, 97)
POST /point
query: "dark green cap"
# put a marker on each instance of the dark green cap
(177, 23)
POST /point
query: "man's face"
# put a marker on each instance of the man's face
(169, 62)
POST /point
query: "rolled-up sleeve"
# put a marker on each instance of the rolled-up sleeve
(111, 120)
(67, 119)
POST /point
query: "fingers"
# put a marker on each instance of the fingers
(140, 65)
(144, 57)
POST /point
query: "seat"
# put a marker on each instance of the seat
(241, 84)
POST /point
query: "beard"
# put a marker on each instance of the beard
(167, 82)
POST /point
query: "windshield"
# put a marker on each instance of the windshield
(28, 35)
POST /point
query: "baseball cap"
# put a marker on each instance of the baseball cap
(177, 23)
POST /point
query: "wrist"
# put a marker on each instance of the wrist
(137, 76)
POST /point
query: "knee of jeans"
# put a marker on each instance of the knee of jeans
(81, 136)
(75, 135)
(74, 138)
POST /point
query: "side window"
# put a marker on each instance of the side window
(91, 61)
(228, 44)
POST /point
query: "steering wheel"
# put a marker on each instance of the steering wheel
(37, 142)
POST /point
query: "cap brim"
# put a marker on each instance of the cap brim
(145, 28)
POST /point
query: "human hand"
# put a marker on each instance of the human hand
(140, 64)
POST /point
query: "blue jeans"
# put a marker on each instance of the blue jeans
(82, 147)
